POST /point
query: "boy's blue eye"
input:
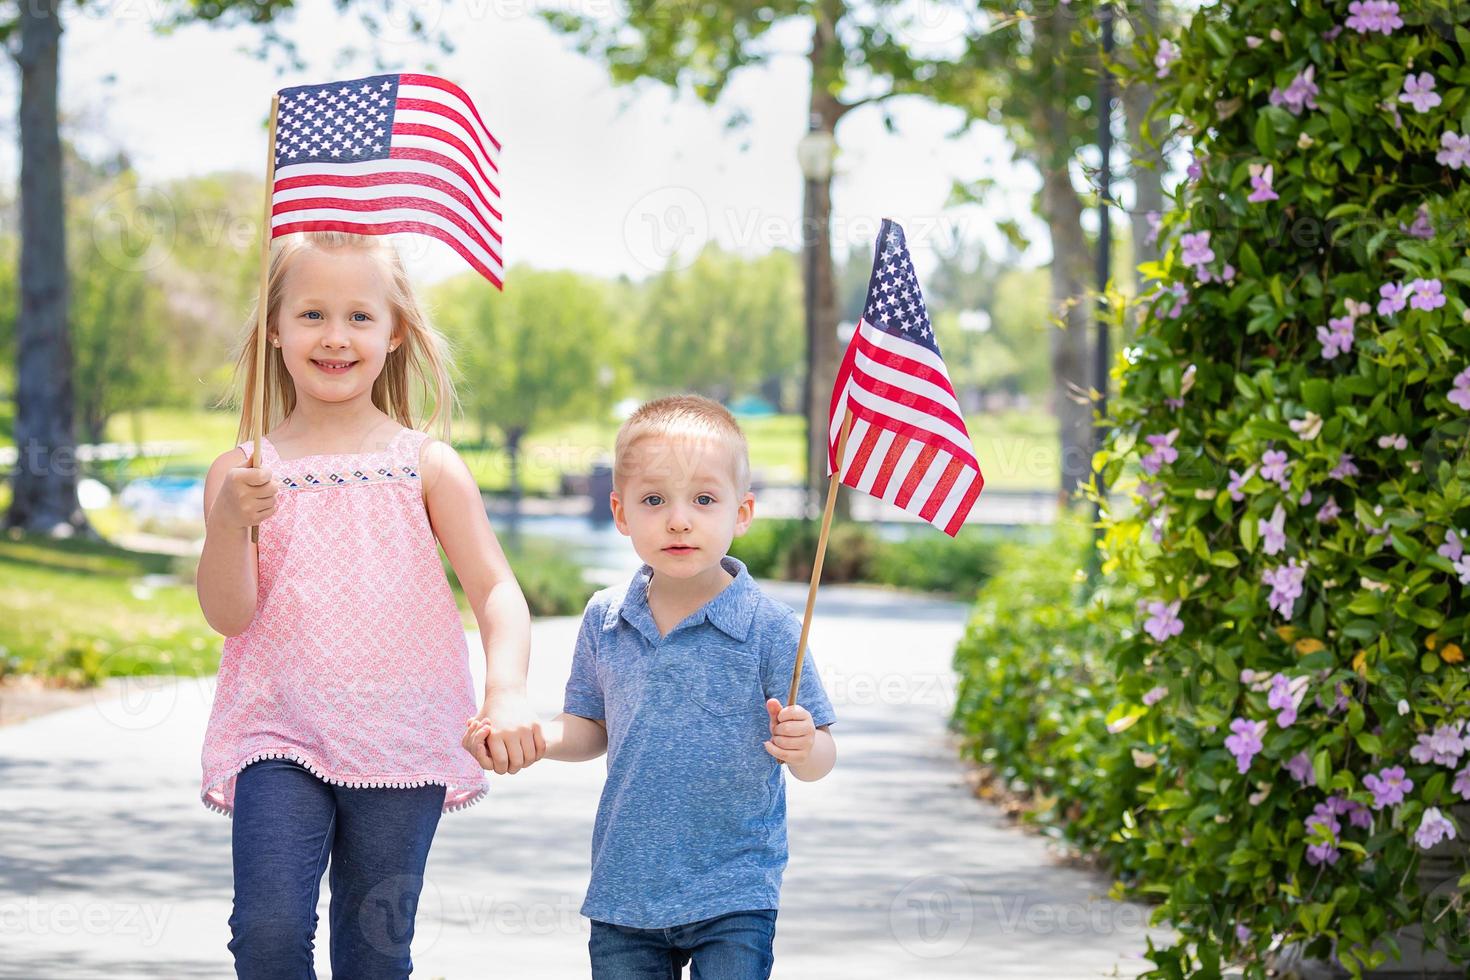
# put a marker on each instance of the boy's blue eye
(653, 500)
(311, 313)
(365, 317)
(704, 499)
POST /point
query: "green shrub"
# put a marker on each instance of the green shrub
(1302, 433)
(925, 561)
(1036, 691)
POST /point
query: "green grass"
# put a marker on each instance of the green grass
(1017, 450)
(79, 611)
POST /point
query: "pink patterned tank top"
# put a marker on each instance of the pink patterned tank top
(356, 664)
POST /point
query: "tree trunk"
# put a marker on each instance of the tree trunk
(825, 357)
(1146, 151)
(1071, 261)
(45, 482)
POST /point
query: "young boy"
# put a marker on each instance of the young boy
(681, 676)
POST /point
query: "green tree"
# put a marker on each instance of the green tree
(1033, 69)
(723, 326)
(857, 57)
(44, 492)
(545, 351)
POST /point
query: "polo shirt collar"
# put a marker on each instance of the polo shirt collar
(732, 611)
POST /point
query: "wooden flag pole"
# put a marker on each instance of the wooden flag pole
(811, 595)
(258, 420)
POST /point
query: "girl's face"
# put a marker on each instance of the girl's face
(335, 328)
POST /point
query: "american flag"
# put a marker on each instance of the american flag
(386, 154)
(908, 444)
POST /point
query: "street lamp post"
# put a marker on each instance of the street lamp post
(815, 153)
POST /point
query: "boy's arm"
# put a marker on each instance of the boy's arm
(572, 738)
(808, 751)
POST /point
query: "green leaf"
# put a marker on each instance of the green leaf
(1322, 768)
(1265, 135)
(1317, 395)
(1250, 263)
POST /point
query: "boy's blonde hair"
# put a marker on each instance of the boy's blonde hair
(414, 385)
(682, 415)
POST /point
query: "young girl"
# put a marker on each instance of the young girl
(344, 687)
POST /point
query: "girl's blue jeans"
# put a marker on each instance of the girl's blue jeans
(289, 827)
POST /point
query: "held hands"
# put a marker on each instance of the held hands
(506, 735)
(245, 499)
(792, 733)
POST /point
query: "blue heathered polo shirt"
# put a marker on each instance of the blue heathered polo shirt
(692, 820)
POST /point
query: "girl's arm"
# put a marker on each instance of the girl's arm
(457, 515)
(236, 496)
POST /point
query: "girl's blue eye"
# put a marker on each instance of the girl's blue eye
(311, 313)
(365, 317)
(653, 500)
(704, 499)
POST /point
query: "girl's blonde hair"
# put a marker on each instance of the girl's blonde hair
(415, 377)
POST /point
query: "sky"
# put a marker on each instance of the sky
(601, 179)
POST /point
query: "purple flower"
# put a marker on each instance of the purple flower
(1419, 92)
(1163, 452)
(1300, 767)
(1323, 821)
(1261, 190)
(1331, 35)
(1456, 150)
(1345, 468)
(1154, 694)
(1286, 696)
(1337, 337)
(1194, 171)
(1388, 786)
(1443, 747)
(1395, 298)
(1168, 54)
(1453, 547)
(1374, 15)
(1197, 249)
(1163, 621)
(1358, 814)
(1154, 223)
(1421, 228)
(1274, 467)
(1238, 480)
(1300, 93)
(1242, 933)
(1460, 393)
(1286, 585)
(1428, 294)
(1329, 511)
(1272, 531)
(1246, 741)
(1462, 783)
(1434, 828)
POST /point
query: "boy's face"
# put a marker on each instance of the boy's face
(677, 499)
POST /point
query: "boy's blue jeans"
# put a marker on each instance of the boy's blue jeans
(736, 946)
(287, 824)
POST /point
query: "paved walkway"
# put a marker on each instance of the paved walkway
(110, 868)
